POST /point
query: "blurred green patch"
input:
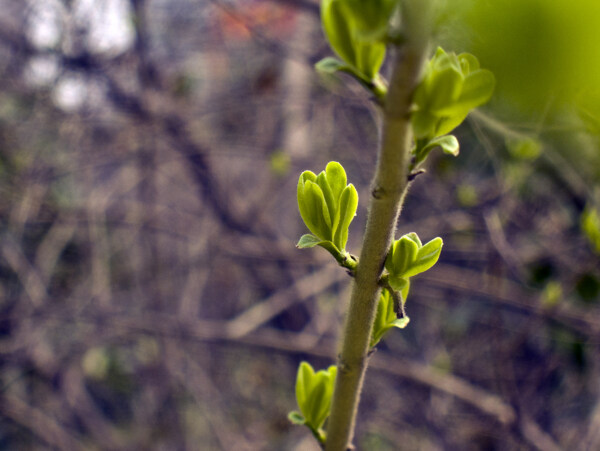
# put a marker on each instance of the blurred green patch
(466, 195)
(280, 163)
(377, 441)
(552, 294)
(524, 149)
(590, 225)
(541, 51)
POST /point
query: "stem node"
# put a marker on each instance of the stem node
(378, 192)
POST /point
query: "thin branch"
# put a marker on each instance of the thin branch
(257, 315)
(40, 424)
(388, 190)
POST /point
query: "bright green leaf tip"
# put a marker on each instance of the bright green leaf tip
(327, 206)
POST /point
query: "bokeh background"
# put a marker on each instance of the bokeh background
(151, 296)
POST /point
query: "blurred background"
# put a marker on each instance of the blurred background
(151, 296)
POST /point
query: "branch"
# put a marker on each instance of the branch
(388, 190)
(41, 425)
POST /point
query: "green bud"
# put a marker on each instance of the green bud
(331, 65)
(451, 87)
(347, 211)
(327, 206)
(427, 256)
(313, 207)
(408, 257)
(401, 256)
(313, 395)
(386, 318)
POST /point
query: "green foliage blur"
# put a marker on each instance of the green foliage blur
(541, 51)
(546, 105)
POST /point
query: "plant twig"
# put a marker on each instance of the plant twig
(387, 193)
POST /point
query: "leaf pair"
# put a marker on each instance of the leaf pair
(386, 317)
(327, 206)
(356, 31)
(451, 87)
(408, 257)
(313, 395)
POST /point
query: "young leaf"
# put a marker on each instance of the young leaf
(369, 58)
(423, 123)
(330, 200)
(387, 303)
(446, 124)
(427, 256)
(318, 404)
(385, 318)
(340, 28)
(383, 310)
(305, 207)
(448, 143)
(468, 63)
(313, 394)
(445, 89)
(331, 65)
(336, 176)
(307, 241)
(337, 30)
(330, 373)
(318, 213)
(451, 87)
(401, 256)
(327, 207)
(371, 17)
(477, 89)
(414, 237)
(347, 209)
(303, 385)
(296, 418)
(381, 324)
(404, 290)
(398, 283)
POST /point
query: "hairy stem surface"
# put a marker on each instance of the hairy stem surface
(387, 193)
